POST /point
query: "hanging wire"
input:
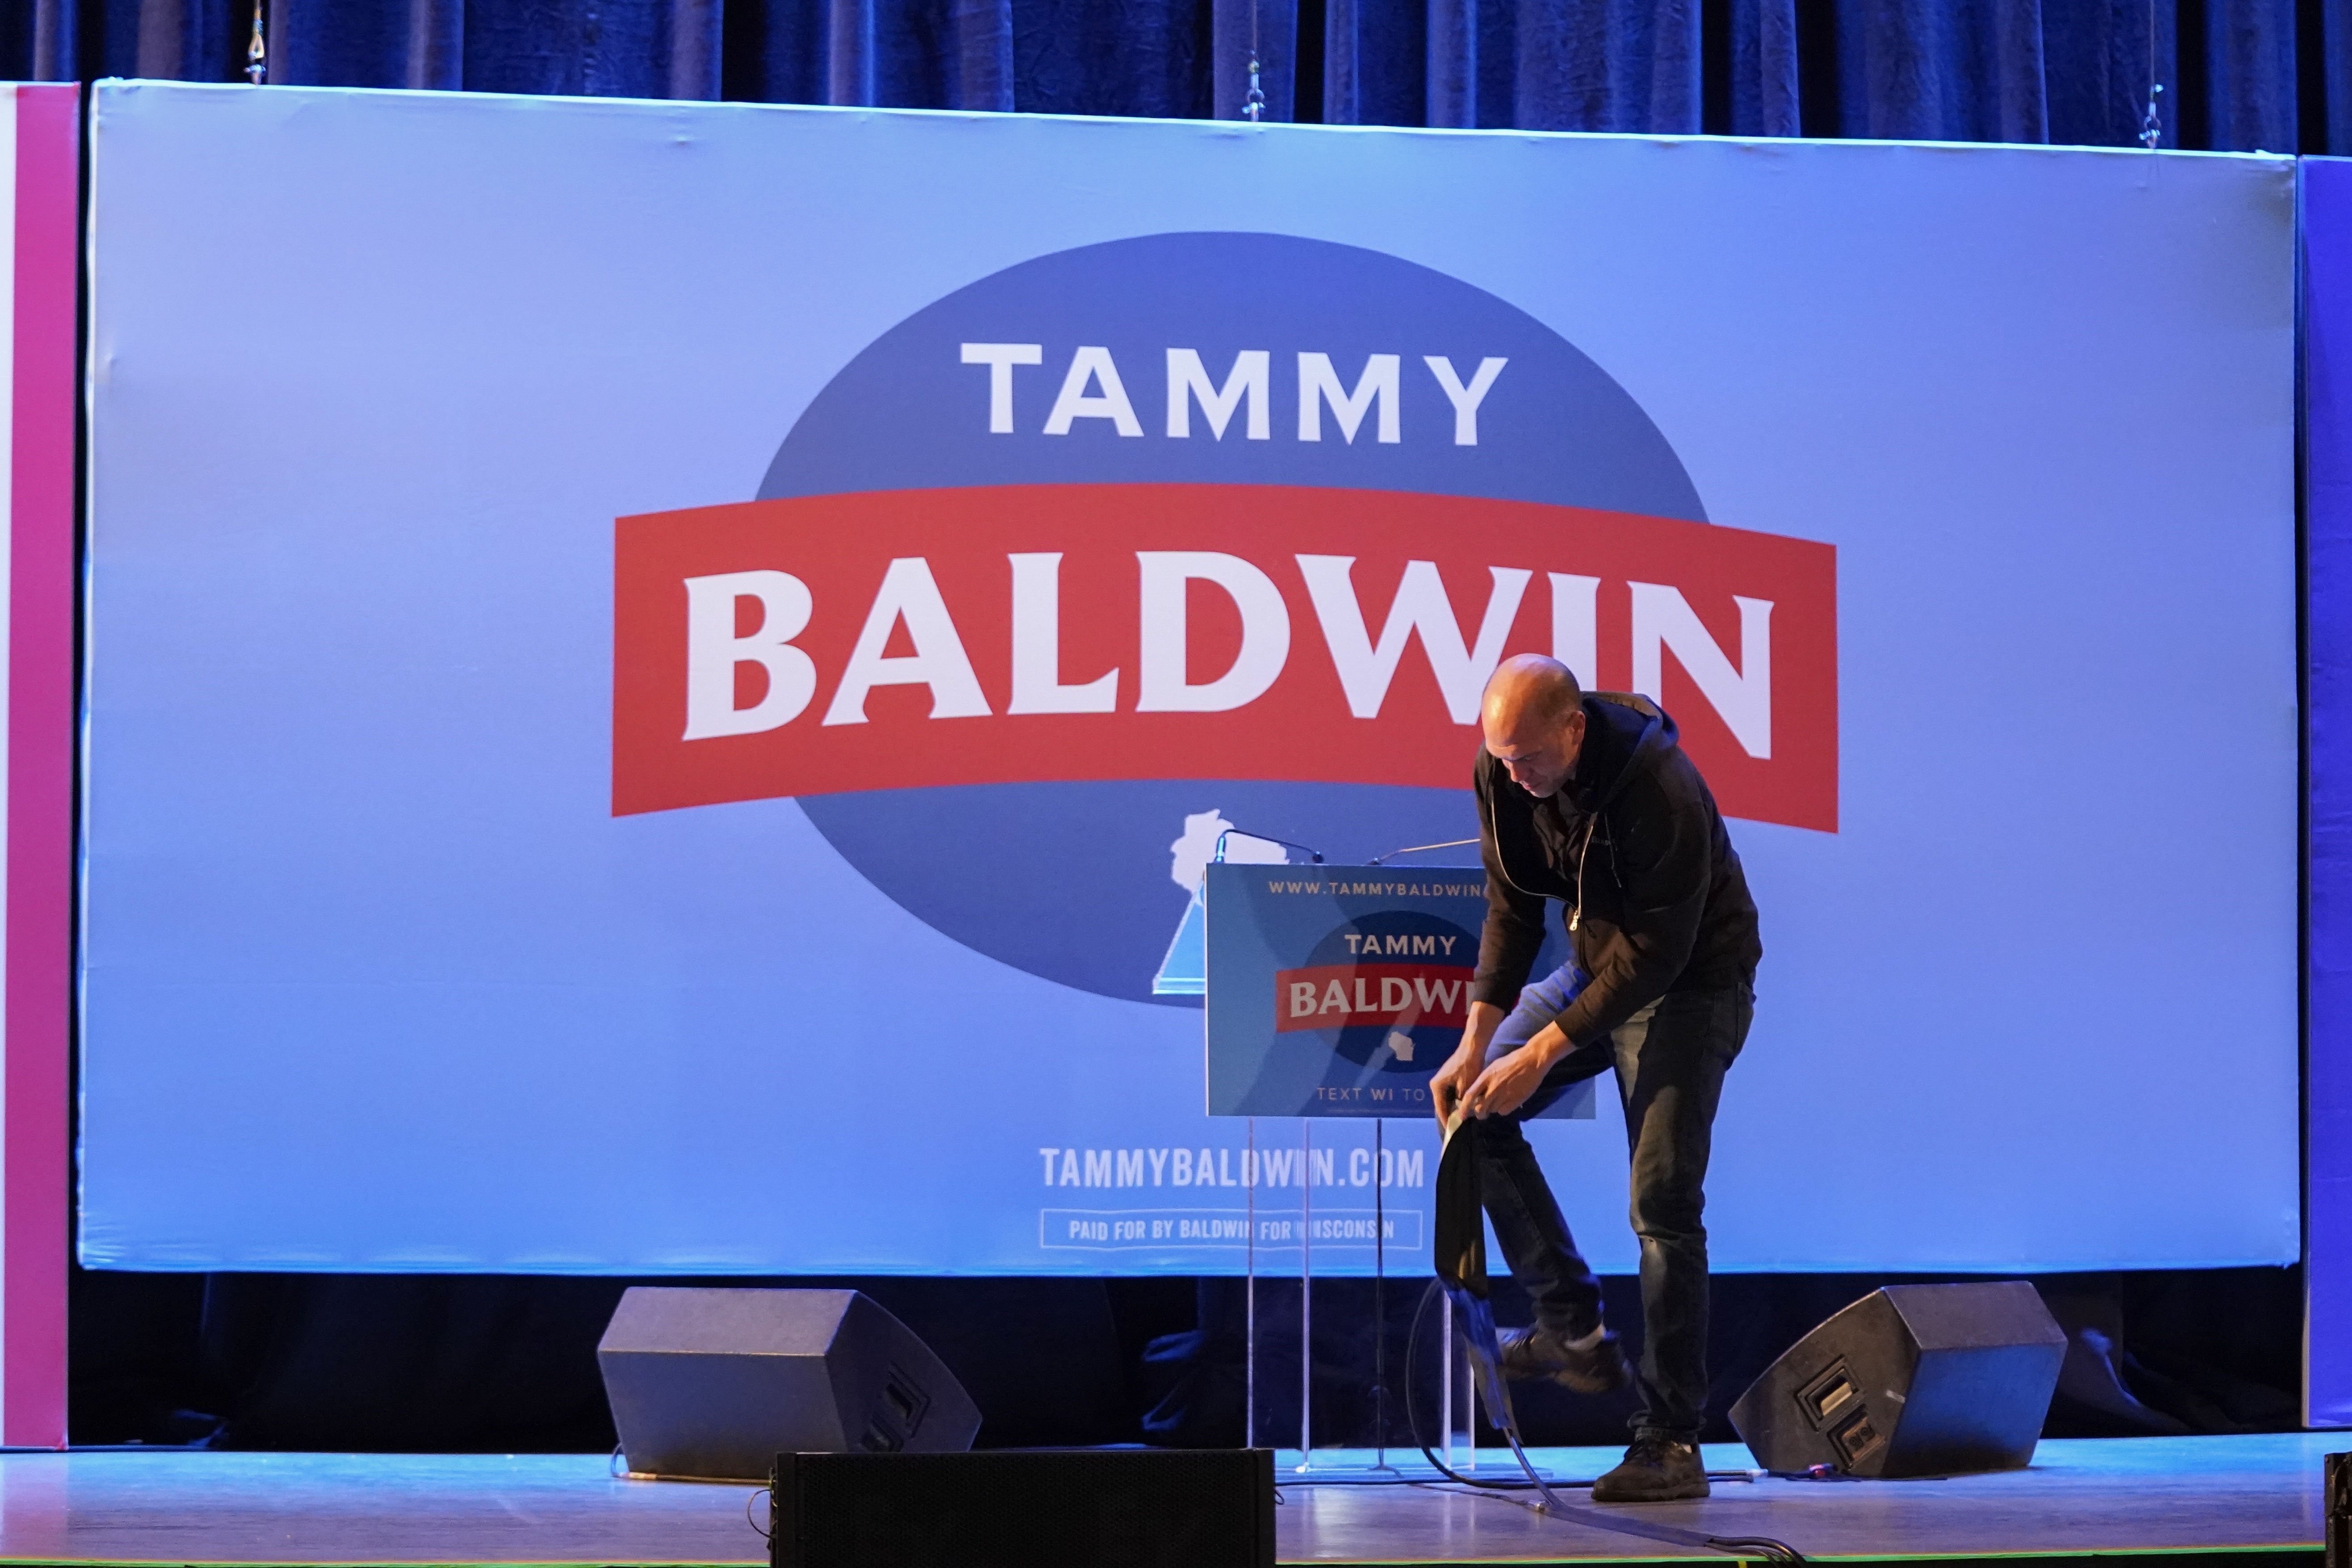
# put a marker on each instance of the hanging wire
(256, 53)
(2151, 128)
(1253, 105)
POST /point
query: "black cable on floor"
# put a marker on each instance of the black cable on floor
(1762, 1546)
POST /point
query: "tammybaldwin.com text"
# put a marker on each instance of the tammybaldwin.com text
(1232, 1167)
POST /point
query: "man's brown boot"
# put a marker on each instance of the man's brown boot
(1656, 1469)
(1595, 1368)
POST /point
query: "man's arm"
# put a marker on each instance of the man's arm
(1664, 855)
(1512, 933)
(1506, 950)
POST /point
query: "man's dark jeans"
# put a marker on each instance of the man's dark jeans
(1670, 1060)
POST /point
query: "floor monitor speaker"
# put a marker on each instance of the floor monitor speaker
(1089, 1508)
(1913, 1380)
(711, 1383)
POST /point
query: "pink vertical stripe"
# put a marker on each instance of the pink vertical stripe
(40, 769)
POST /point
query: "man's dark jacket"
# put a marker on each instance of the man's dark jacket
(1633, 846)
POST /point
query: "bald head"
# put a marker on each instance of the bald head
(1530, 686)
(1533, 719)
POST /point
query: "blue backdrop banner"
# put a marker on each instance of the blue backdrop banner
(661, 676)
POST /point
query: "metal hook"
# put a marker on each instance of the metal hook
(256, 53)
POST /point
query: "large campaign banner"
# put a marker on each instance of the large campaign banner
(663, 705)
(40, 175)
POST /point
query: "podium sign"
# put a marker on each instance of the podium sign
(1338, 990)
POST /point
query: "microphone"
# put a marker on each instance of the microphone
(1314, 856)
(1415, 849)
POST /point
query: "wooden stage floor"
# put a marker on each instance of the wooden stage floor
(2127, 1496)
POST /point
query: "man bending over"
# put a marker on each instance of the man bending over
(1587, 800)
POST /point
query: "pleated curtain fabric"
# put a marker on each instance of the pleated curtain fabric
(2239, 74)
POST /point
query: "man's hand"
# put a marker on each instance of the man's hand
(1469, 1058)
(1506, 1085)
(1454, 1081)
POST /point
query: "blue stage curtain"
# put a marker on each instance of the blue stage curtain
(2238, 75)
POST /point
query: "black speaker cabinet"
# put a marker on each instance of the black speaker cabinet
(710, 1384)
(1086, 1508)
(1913, 1380)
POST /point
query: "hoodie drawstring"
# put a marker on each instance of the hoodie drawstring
(1576, 915)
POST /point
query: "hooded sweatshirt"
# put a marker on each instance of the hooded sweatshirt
(1633, 846)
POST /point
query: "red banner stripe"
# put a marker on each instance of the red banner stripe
(1351, 995)
(924, 638)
